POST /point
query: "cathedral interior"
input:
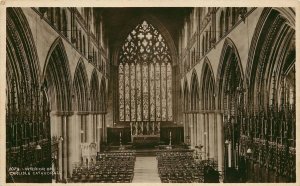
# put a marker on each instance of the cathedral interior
(150, 94)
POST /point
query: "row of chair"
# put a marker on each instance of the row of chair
(179, 167)
(110, 168)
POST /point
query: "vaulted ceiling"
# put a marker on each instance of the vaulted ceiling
(117, 19)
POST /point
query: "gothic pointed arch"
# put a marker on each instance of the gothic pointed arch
(267, 66)
(195, 91)
(194, 108)
(23, 62)
(235, 15)
(207, 86)
(81, 87)
(27, 106)
(186, 110)
(103, 95)
(221, 24)
(57, 77)
(145, 76)
(271, 88)
(208, 132)
(186, 96)
(227, 19)
(270, 78)
(231, 98)
(152, 20)
(230, 64)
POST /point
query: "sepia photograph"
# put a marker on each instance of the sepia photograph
(150, 95)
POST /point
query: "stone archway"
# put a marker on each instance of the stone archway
(230, 101)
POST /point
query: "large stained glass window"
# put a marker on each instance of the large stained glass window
(145, 76)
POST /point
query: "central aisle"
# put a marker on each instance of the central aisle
(145, 170)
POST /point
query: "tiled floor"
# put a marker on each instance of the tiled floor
(145, 170)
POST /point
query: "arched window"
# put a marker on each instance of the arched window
(64, 23)
(103, 96)
(145, 76)
(58, 18)
(186, 97)
(194, 94)
(50, 15)
(227, 19)
(86, 14)
(221, 24)
(234, 16)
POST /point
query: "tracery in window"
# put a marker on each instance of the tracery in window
(145, 76)
(121, 90)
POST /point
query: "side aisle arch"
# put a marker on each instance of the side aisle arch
(208, 126)
(81, 87)
(57, 82)
(57, 77)
(194, 100)
(231, 99)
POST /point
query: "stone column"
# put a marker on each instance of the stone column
(195, 128)
(204, 137)
(94, 128)
(184, 128)
(77, 136)
(220, 142)
(206, 133)
(104, 127)
(215, 137)
(64, 147)
(56, 130)
(74, 137)
(191, 130)
(202, 123)
(188, 127)
(199, 129)
(54, 124)
(211, 135)
(229, 154)
(99, 127)
(89, 124)
(191, 133)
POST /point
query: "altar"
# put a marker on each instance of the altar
(139, 133)
(145, 132)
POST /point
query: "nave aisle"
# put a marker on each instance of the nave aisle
(145, 170)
